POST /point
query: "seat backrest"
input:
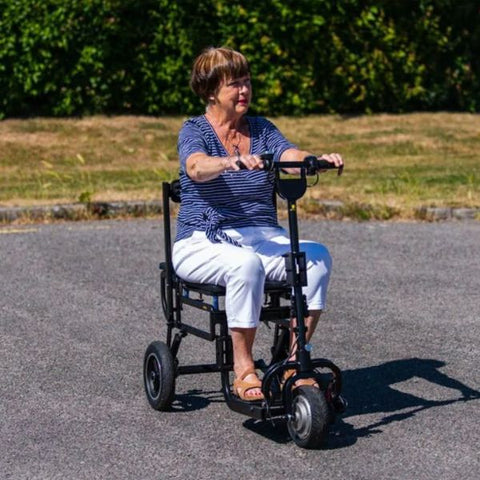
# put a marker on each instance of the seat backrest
(175, 191)
(170, 191)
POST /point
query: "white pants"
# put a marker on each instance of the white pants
(243, 270)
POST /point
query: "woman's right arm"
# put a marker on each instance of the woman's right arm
(192, 150)
(202, 168)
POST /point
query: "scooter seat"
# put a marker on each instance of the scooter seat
(212, 289)
(271, 286)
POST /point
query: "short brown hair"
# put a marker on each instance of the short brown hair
(213, 66)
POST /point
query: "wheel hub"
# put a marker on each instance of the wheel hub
(302, 417)
(153, 375)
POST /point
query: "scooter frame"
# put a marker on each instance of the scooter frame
(308, 411)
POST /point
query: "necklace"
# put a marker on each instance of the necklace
(231, 142)
(236, 146)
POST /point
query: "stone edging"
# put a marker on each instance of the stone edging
(439, 213)
(80, 211)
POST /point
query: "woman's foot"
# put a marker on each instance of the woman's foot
(310, 382)
(247, 386)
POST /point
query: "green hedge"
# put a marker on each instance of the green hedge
(80, 57)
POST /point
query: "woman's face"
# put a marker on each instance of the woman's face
(235, 95)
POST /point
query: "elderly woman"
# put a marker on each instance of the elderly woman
(227, 228)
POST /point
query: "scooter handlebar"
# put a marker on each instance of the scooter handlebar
(311, 164)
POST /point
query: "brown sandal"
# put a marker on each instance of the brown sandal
(241, 387)
(302, 382)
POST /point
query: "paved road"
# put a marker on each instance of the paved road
(79, 305)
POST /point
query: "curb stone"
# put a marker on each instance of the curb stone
(80, 211)
(438, 213)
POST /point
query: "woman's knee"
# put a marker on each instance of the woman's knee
(248, 269)
(244, 292)
(318, 255)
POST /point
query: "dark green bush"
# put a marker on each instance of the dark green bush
(78, 57)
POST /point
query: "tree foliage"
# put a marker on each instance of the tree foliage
(78, 57)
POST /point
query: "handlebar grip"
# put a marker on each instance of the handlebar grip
(241, 165)
(267, 159)
(324, 165)
(315, 164)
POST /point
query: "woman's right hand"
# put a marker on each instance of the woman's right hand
(247, 162)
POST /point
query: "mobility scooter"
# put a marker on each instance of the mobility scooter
(307, 410)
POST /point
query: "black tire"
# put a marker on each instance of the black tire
(159, 376)
(308, 426)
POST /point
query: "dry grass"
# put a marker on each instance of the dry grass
(53, 161)
(394, 163)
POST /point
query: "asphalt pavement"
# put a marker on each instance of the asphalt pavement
(79, 304)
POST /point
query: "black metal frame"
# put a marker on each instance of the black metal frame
(176, 293)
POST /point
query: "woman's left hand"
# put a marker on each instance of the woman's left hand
(334, 158)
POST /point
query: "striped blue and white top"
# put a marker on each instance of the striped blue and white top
(235, 198)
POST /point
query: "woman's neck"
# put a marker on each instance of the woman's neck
(219, 119)
(233, 133)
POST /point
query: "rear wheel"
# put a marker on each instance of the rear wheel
(159, 376)
(308, 426)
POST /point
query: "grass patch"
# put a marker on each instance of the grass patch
(394, 163)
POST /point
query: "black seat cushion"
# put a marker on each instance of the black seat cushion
(211, 289)
(271, 286)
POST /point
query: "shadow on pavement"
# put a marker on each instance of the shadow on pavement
(370, 390)
(195, 400)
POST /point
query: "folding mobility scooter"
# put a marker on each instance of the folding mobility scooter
(307, 410)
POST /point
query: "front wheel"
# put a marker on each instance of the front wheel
(308, 426)
(159, 376)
